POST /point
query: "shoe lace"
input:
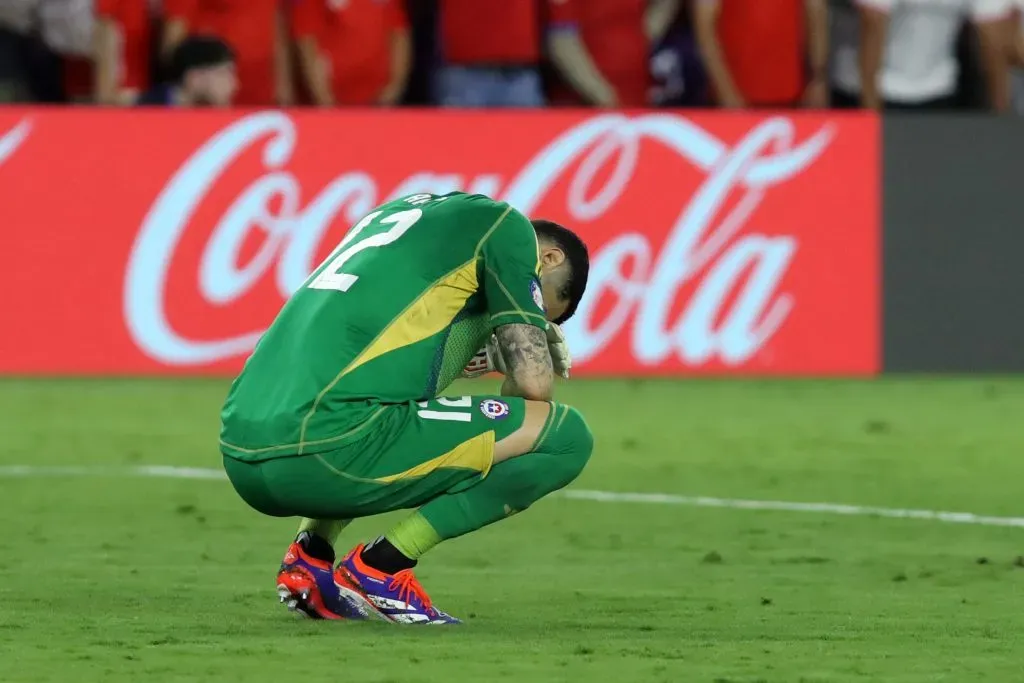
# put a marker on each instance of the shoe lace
(407, 585)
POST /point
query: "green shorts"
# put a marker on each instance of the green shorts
(410, 454)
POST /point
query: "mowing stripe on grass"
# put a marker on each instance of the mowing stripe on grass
(171, 472)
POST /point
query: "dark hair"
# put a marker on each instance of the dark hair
(198, 52)
(579, 262)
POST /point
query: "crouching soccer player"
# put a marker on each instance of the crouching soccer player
(335, 415)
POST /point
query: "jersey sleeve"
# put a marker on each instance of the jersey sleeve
(511, 274)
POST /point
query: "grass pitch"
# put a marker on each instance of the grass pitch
(118, 579)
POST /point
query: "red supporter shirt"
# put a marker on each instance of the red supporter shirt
(249, 27)
(613, 32)
(764, 46)
(355, 37)
(132, 19)
(490, 32)
(132, 16)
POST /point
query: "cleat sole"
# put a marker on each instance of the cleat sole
(295, 590)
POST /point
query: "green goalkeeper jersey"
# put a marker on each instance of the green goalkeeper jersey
(392, 315)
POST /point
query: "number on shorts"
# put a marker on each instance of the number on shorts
(330, 275)
(449, 415)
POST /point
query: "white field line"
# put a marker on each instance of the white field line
(171, 472)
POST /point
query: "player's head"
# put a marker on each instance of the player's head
(203, 67)
(564, 266)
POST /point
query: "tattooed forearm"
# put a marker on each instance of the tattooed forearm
(527, 360)
(525, 349)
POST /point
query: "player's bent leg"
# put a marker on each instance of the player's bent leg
(552, 447)
(536, 415)
(318, 536)
(413, 455)
(305, 579)
(305, 584)
(547, 452)
(559, 455)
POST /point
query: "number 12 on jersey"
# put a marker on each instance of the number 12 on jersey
(330, 275)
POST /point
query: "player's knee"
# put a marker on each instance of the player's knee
(577, 432)
(571, 440)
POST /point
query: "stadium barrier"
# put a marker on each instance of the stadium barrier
(164, 242)
(953, 244)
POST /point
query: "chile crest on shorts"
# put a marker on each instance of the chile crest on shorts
(494, 409)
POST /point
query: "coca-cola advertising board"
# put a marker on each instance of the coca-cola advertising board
(152, 242)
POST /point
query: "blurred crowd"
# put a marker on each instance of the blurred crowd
(893, 54)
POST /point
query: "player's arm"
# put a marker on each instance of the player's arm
(176, 25)
(528, 369)
(1017, 38)
(105, 58)
(705, 21)
(991, 18)
(306, 20)
(515, 306)
(571, 57)
(401, 56)
(816, 93)
(658, 16)
(874, 25)
(284, 87)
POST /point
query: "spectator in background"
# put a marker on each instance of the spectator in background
(491, 54)
(354, 52)
(16, 20)
(121, 49)
(678, 71)
(66, 27)
(765, 53)
(602, 47)
(1017, 56)
(202, 75)
(901, 54)
(256, 32)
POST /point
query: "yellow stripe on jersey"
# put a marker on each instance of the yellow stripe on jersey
(477, 454)
(428, 314)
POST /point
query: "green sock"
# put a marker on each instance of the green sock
(413, 536)
(515, 484)
(327, 529)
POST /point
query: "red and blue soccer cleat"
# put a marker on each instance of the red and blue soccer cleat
(306, 585)
(397, 597)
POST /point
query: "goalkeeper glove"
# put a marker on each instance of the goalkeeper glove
(487, 360)
(560, 358)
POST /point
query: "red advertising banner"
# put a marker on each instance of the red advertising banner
(165, 242)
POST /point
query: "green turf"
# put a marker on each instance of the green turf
(119, 579)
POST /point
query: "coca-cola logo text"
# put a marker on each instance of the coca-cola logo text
(734, 273)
